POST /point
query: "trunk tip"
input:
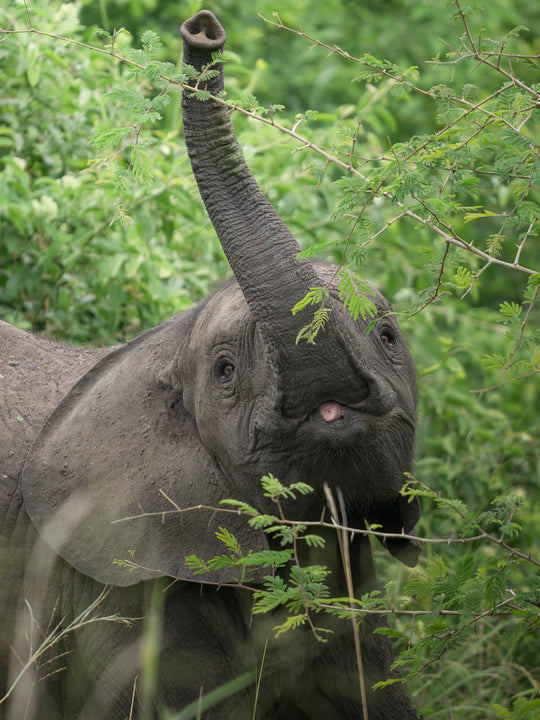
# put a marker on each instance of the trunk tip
(203, 31)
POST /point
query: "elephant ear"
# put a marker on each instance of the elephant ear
(398, 516)
(117, 459)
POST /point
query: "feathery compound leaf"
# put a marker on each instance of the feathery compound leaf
(142, 165)
(291, 623)
(301, 487)
(134, 101)
(310, 332)
(266, 558)
(495, 588)
(418, 586)
(510, 309)
(313, 297)
(150, 42)
(122, 216)
(263, 521)
(242, 506)
(228, 539)
(355, 294)
(196, 564)
(202, 95)
(462, 278)
(208, 75)
(111, 137)
(272, 486)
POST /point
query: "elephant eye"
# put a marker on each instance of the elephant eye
(387, 339)
(225, 370)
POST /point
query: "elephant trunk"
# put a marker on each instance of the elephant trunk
(259, 247)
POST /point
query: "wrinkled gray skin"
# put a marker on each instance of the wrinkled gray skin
(197, 410)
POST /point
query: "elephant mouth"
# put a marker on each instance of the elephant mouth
(331, 411)
(332, 415)
(336, 423)
(346, 412)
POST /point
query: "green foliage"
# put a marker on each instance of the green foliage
(355, 296)
(492, 585)
(405, 159)
(94, 248)
(315, 296)
(302, 591)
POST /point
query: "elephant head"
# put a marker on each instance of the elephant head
(199, 408)
(341, 410)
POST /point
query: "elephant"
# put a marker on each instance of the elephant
(114, 460)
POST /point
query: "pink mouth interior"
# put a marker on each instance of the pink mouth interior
(331, 411)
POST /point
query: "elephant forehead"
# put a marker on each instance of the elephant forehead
(222, 319)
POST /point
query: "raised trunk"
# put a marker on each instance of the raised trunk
(263, 253)
(260, 248)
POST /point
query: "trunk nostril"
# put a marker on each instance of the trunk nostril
(203, 31)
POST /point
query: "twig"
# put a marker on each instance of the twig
(343, 539)
(525, 238)
(358, 531)
(335, 50)
(522, 327)
(448, 237)
(437, 288)
(133, 696)
(507, 382)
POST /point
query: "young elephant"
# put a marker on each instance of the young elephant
(97, 446)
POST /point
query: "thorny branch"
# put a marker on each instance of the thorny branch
(435, 294)
(482, 535)
(448, 236)
(432, 221)
(522, 326)
(355, 609)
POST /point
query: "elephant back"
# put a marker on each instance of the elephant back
(35, 374)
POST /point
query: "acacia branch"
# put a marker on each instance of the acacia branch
(497, 386)
(522, 327)
(353, 530)
(448, 237)
(481, 57)
(435, 293)
(335, 50)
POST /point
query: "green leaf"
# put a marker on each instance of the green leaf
(150, 42)
(436, 568)
(196, 564)
(418, 586)
(242, 506)
(265, 558)
(310, 332)
(470, 216)
(114, 137)
(226, 537)
(356, 295)
(142, 165)
(495, 589)
(463, 278)
(510, 309)
(315, 296)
